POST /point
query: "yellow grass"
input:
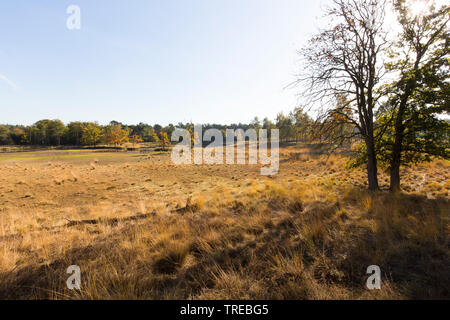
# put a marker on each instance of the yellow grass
(142, 228)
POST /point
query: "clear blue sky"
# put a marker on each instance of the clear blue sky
(155, 61)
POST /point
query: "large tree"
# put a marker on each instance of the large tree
(344, 61)
(421, 92)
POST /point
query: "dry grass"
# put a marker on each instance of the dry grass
(142, 228)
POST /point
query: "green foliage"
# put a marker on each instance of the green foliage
(425, 138)
(92, 133)
(418, 100)
(286, 127)
(5, 137)
(44, 132)
(75, 133)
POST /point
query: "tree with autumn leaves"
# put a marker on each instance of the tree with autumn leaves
(116, 135)
(164, 140)
(392, 89)
(342, 61)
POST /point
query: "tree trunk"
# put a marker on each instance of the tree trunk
(372, 171)
(398, 142)
(400, 128)
(395, 178)
(396, 155)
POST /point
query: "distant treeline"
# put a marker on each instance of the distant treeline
(296, 126)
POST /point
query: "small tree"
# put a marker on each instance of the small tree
(286, 127)
(164, 140)
(135, 139)
(190, 129)
(256, 125)
(116, 135)
(303, 124)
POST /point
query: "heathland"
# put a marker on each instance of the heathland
(141, 227)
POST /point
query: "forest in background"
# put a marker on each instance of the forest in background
(296, 126)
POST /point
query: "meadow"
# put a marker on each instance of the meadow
(141, 227)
